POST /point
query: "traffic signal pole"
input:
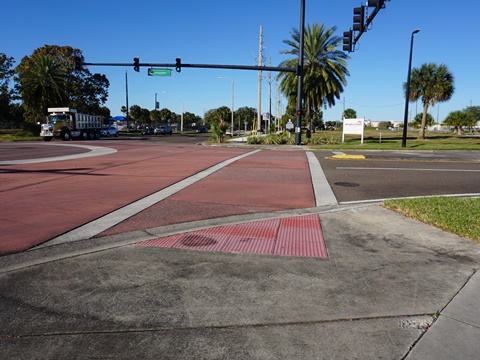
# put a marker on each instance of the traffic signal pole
(298, 127)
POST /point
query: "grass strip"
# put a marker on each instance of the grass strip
(460, 216)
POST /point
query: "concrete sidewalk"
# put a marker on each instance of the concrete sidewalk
(375, 296)
(389, 288)
(456, 332)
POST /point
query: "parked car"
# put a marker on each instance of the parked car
(202, 129)
(148, 131)
(163, 130)
(229, 132)
(109, 131)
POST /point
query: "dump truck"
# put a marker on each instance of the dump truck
(66, 123)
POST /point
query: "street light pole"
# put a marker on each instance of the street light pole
(407, 95)
(233, 96)
(157, 105)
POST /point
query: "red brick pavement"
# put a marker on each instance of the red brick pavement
(265, 181)
(41, 201)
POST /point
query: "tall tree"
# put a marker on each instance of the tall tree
(42, 85)
(84, 91)
(350, 114)
(245, 114)
(165, 115)
(6, 94)
(154, 115)
(189, 119)
(417, 120)
(135, 112)
(432, 83)
(474, 111)
(325, 69)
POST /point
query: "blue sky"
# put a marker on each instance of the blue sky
(227, 32)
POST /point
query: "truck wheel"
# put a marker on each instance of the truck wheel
(91, 135)
(65, 135)
(85, 135)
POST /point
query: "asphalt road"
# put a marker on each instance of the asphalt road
(389, 174)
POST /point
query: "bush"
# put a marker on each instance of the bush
(284, 139)
(31, 129)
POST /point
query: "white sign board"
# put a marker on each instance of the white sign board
(289, 125)
(353, 127)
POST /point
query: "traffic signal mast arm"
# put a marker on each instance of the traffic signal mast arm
(204, 66)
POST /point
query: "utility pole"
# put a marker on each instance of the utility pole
(277, 119)
(259, 102)
(181, 120)
(126, 97)
(269, 95)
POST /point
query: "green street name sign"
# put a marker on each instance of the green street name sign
(159, 72)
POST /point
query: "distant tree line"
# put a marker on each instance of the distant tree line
(48, 78)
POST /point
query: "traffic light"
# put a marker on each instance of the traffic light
(178, 64)
(347, 40)
(376, 3)
(136, 64)
(78, 62)
(359, 19)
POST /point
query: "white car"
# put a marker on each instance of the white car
(109, 131)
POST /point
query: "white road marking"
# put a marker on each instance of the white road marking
(94, 151)
(322, 190)
(406, 169)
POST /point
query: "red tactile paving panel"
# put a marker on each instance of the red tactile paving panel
(296, 236)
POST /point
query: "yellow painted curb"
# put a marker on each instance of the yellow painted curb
(348, 157)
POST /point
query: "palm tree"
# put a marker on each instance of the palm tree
(42, 85)
(325, 69)
(433, 83)
(459, 119)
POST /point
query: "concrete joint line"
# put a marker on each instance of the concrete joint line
(215, 327)
(99, 225)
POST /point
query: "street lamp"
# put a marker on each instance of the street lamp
(407, 95)
(157, 105)
(233, 96)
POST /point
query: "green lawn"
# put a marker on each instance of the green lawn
(17, 135)
(392, 140)
(459, 216)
